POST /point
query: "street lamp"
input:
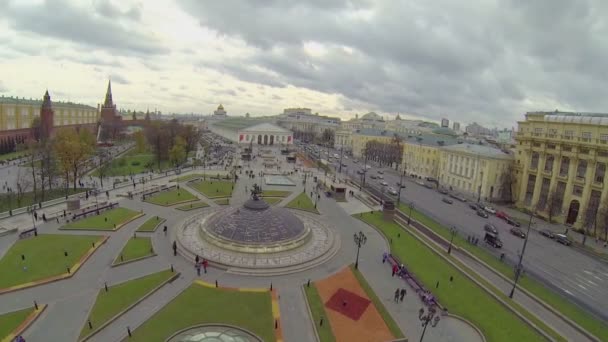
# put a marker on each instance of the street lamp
(427, 318)
(409, 217)
(400, 186)
(521, 258)
(360, 240)
(453, 231)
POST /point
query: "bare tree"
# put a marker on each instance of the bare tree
(554, 204)
(603, 217)
(590, 217)
(33, 149)
(508, 179)
(23, 185)
(158, 138)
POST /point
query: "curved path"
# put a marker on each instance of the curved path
(70, 300)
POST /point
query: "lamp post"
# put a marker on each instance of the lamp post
(400, 186)
(521, 258)
(427, 318)
(453, 232)
(409, 217)
(360, 240)
(341, 153)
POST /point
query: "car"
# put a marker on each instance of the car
(563, 239)
(380, 177)
(518, 232)
(355, 161)
(482, 213)
(473, 206)
(392, 191)
(360, 172)
(420, 183)
(401, 185)
(489, 209)
(492, 240)
(380, 172)
(443, 191)
(344, 165)
(512, 222)
(447, 200)
(383, 183)
(428, 186)
(373, 177)
(547, 233)
(502, 215)
(490, 228)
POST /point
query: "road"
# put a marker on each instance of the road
(576, 275)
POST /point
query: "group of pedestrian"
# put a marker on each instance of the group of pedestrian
(198, 264)
(473, 240)
(399, 270)
(399, 294)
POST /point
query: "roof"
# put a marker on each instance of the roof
(372, 116)
(478, 150)
(265, 127)
(422, 139)
(32, 102)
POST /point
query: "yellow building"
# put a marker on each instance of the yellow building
(19, 113)
(344, 139)
(476, 170)
(561, 165)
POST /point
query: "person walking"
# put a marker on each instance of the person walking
(165, 230)
(198, 269)
(196, 259)
(384, 257)
(395, 268)
(205, 264)
(174, 248)
(396, 298)
(402, 294)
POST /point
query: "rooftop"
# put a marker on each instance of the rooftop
(33, 102)
(479, 150)
(571, 117)
(266, 127)
(422, 139)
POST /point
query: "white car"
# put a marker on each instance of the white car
(489, 209)
(383, 183)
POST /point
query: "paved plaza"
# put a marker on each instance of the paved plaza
(69, 301)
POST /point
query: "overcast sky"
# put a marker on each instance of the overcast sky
(485, 61)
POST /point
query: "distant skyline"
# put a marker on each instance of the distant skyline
(486, 61)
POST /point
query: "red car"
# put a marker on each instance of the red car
(502, 215)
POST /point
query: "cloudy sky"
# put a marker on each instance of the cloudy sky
(485, 60)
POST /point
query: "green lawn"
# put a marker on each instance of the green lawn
(151, 224)
(10, 321)
(136, 247)
(275, 193)
(388, 319)
(222, 201)
(133, 163)
(44, 257)
(462, 297)
(8, 202)
(166, 198)
(120, 296)
(273, 200)
(317, 308)
(192, 206)
(213, 189)
(106, 220)
(199, 304)
(12, 155)
(303, 202)
(596, 326)
(198, 175)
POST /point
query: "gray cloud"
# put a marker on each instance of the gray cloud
(3, 89)
(62, 20)
(476, 61)
(109, 10)
(116, 78)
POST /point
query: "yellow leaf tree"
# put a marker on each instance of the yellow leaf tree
(73, 149)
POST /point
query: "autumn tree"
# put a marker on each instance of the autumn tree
(177, 154)
(140, 141)
(73, 150)
(590, 216)
(508, 180)
(191, 136)
(158, 140)
(32, 156)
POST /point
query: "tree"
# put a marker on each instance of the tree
(603, 217)
(73, 150)
(23, 185)
(158, 139)
(178, 154)
(591, 216)
(191, 136)
(507, 181)
(104, 164)
(328, 137)
(140, 141)
(33, 149)
(48, 167)
(554, 204)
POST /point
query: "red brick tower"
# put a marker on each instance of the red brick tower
(108, 109)
(46, 117)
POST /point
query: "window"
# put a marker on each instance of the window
(577, 190)
(586, 136)
(565, 165)
(530, 189)
(538, 131)
(534, 161)
(581, 170)
(584, 151)
(602, 153)
(536, 144)
(600, 171)
(568, 134)
(552, 132)
(549, 163)
(567, 148)
(551, 146)
(603, 138)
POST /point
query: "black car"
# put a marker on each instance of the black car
(443, 191)
(512, 222)
(447, 200)
(518, 232)
(473, 206)
(402, 186)
(482, 213)
(373, 176)
(547, 233)
(490, 228)
(381, 172)
(492, 240)
(563, 239)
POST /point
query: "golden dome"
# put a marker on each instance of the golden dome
(220, 107)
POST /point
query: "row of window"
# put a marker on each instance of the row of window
(581, 169)
(569, 134)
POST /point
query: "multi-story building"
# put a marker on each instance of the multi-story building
(344, 139)
(300, 121)
(561, 165)
(477, 130)
(412, 127)
(445, 123)
(456, 126)
(476, 170)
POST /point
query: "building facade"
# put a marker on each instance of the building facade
(265, 134)
(561, 165)
(344, 139)
(300, 121)
(475, 170)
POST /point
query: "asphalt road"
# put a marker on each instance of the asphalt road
(575, 274)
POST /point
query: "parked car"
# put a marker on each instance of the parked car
(489, 209)
(547, 233)
(492, 240)
(490, 228)
(518, 232)
(563, 239)
(428, 186)
(381, 172)
(392, 191)
(443, 191)
(373, 176)
(383, 183)
(473, 206)
(360, 172)
(380, 177)
(482, 213)
(355, 161)
(458, 197)
(447, 200)
(502, 215)
(420, 183)
(512, 222)
(401, 185)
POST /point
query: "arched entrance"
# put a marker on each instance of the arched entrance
(259, 140)
(573, 212)
(265, 139)
(272, 140)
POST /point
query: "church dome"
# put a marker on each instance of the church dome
(372, 116)
(220, 107)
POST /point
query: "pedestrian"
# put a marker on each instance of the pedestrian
(451, 279)
(44, 217)
(205, 264)
(196, 259)
(174, 248)
(36, 216)
(165, 230)
(57, 219)
(396, 299)
(198, 269)
(395, 268)
(384, 257)
(402, 294)
(437, 285)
